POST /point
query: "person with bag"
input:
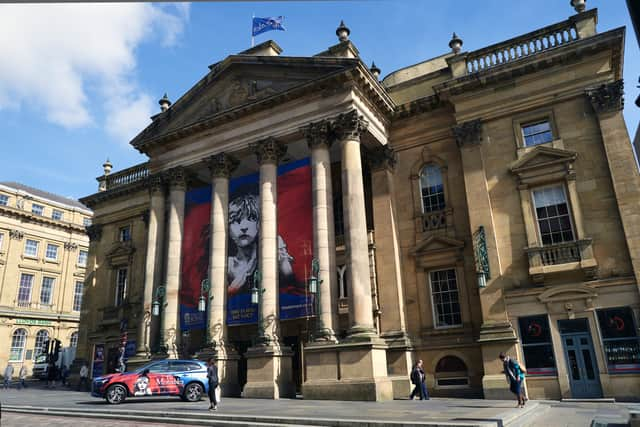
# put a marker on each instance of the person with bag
(515, 377)
(212, 376)
(418, 380)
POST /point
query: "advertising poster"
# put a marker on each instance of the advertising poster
(97, 363)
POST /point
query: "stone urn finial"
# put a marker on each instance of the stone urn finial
(164, 103)
(579, 5)
(343, 32)
(375, 70)
(107, 166)
(455, 44)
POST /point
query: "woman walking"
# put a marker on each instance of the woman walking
(212, 376)
(515, 377)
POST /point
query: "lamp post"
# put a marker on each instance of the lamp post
(314, 289)
(256, 298)
(156, 310)
(202, 306)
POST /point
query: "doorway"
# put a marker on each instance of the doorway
(580, 356)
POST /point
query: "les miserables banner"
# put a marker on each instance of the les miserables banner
(295, 246)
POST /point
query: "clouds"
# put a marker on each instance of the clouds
(75, 64)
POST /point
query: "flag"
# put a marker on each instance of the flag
(262, 25)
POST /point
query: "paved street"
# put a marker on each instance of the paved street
(28, 420)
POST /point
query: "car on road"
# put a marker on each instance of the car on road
(184, 378)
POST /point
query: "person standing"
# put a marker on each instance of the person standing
(23, 376)
(84, 374)
(8, 375)
(418, 379)
(52, 371)
(64, 375)
(515, 377)
(212, 376)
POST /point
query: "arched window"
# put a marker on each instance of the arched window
(431, 189)
(451, 372)
(18, 340)
(73, 341)
(42, 338)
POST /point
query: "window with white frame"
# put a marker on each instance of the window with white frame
(31, 248)
(552, 213)
(121, 285)
(4, 200)
(82, 258)
(444, 295)
(73, 341)
(24, 290)
(46, 291)
(37, 209)
(18, 341)
(77, 296)
(42, 342)
(537, 133)
(52, 252)
(57, 215)
(124, 234)
(1, 240)
(431, 189)
(86, 222)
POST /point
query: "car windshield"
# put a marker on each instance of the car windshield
(41, 358)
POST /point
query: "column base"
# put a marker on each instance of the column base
(347, 371)
(227, 362)
(326, 335)
(74, 371)
(361, 332)
(399, 362)
(269, 373)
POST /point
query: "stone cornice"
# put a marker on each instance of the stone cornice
(607, 98)
(382, 157)
(468, 133)
(268, 150)
(26, 216)
(222, 165)
(20, 314)
(418, 106)
(124, 190)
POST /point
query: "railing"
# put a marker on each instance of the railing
(124, 177)
(434, 220)
(522, 46)
(560, 253)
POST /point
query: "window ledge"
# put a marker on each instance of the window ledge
(556, 143)
(33, 258)
(51, 261)
(560, 258)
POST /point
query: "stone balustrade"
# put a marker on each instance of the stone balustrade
(124, 177)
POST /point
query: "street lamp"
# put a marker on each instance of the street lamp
(256, 298)
(314, 289)
(205, 285)
(156, 310)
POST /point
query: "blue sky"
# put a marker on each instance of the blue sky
(78, 81)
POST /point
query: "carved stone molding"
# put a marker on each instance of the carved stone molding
(350, 125)
(94, 231)
(382, 157)
(268, 150)
(156, 184)
(608, 97)
(16, 234)
(70, 246)
(468, 133)
(177, 177)
(319, 133)
(222, 165)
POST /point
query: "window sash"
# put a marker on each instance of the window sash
(46, 292)
(73, 341)
(52, 252)
(37, 209)
(537, 133)
(24, 289)
(18, 341)
(41, 337)
(532, 351)
(553, 215)
(77, 296)
(431, 189)
(57, 215)
(31, 248)
(124, 234)
(445, 299)
(121, 286)
(1, 240)
(4, 200)
(82, 258)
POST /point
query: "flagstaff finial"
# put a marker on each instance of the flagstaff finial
(343, 32)
(164, 103)
(455, 44)
(375, 70)
(579, 5)
(107, 166)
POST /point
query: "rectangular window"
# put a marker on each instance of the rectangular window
(1, 240)
(82, 258)
(444, 294)
(124, 234)
(537, 133)
(537, 346)
(31, 248)
(121, 286)
(46, 293)
(37, 209)
(4, 200)
(86, 222)
(24, 290)
(620, 340)
(57, 215)
(552, 211)
(52, 252)
(77, 296)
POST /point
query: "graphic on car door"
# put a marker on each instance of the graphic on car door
(156, 380)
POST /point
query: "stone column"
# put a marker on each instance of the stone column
(319, 140)
(349, 126)
(153, 266)
(170, 315)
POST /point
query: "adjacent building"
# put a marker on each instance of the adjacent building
(43, 256)
(317, 228)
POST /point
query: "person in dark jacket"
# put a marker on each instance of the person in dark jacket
(418, 380)
(515, 377)
(212, 376)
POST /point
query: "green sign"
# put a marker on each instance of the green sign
(38, 322)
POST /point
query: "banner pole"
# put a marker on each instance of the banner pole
(253, 39)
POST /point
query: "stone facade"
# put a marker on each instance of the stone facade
(43, 255)
(473, 203)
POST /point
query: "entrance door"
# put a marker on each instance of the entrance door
(580, 356)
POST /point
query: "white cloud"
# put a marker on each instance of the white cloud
(68, 61)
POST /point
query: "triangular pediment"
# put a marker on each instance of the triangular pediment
(565, 293)
(542, 156)
(120, 254)
(437, 244)
(237, 82)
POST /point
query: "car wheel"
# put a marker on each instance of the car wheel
(116, 394)
(193, 392)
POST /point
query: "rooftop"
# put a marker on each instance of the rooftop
(44, 194)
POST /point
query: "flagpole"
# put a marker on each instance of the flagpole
(253, 39)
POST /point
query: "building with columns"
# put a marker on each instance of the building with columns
(470, 204)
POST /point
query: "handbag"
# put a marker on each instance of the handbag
(218, 393)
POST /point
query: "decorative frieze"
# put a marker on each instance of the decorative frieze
(16, 234)
(382, 157)
(222, 165)
(94, 231)
(350, 125)
(468, 133)
(176, 177)
(70, 246)
(268, 150)
(608, 97)
(319, 133)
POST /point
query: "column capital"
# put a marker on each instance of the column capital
(607, 98)
(155, 183)
(176, 177)
(222, 165)
(70, 246)
(350, 125)
(94, 231)
(382, 157)
(468, 133)
(318, 134)
(268, 150)
(16, 234)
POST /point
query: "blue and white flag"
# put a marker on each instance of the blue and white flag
(262, 25)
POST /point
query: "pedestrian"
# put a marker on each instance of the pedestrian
(8, 375)
(64, 375)
(84, 375)
(52, 371)
(418, 379)
(212, 376)
(23, 376)
(515, 377)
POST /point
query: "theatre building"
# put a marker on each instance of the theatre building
(318, 229)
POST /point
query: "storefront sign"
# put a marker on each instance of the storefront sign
(38, 322)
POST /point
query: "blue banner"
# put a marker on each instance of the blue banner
(262, 25)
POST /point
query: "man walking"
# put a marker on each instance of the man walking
(8, 375)
(212, 376)
(23, 376)
(418, 380)
(84, 374)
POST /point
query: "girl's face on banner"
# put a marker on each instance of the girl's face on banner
(243, 222)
